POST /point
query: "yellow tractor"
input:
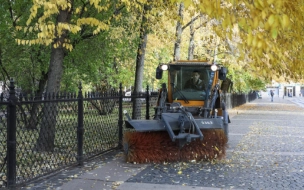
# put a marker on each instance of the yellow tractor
(190, 121)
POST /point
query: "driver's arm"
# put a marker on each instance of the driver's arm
(200, 86)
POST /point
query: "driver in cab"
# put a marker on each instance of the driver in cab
(195, 82)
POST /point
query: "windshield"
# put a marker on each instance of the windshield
(190, 82)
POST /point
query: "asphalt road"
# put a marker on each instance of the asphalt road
(266, 151)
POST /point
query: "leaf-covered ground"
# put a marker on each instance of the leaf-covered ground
(266, 151)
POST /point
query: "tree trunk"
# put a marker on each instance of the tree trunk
(46, 137)
(34, 110)
(191, 42)
(140, 60)
(178, 34)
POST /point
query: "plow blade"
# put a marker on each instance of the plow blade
(173, 120)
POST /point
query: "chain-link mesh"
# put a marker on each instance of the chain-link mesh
(100, 123)
(3, 145)
(46, 131)
(45, 137)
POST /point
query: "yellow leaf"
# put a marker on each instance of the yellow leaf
(257, 4)
(18, 28)
(274, 33)
(255, 22)
(266, 26)
(271, 19)
(270, 1)
(260, 44)
(187, 3)
(242, 22)
(77, 10)
(208, 8)
(226, 22)
(71, 47)
(264, 14)
(261, 2)
(285, 22)
(233, 19)
(254, 41)
(179, 172)
(249, 39)
(28, 22)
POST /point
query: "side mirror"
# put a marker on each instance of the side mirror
(159, 73)
(223, 73)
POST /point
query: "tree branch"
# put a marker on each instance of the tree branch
(87, 36)
(192, 20)
(11, 13)
(4, 71)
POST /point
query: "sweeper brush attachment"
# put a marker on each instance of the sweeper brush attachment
(176, 135)
(157, 147)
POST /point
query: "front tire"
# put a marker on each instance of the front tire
(225, 120)
(226, 130)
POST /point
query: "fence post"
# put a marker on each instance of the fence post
(11, 137)
(80, 129)
(147, 103)
(120, 121)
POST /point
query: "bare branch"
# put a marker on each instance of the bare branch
(192, 20)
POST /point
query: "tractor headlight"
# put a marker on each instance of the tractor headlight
(164, 67)
(213, 67)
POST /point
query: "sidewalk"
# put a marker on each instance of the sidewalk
(266, 151)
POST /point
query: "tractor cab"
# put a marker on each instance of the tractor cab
(189, 82)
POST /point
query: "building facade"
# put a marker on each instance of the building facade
(283, 90)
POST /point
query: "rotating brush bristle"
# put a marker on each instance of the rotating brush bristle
(157, 147)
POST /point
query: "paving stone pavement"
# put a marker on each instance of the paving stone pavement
(266, 151)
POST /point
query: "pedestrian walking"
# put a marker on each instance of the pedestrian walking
(271, 94)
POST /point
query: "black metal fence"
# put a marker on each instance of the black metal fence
(237, 99)
(41, 135)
